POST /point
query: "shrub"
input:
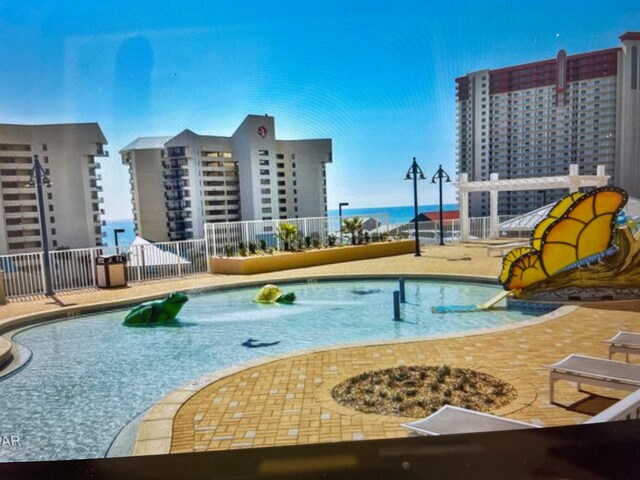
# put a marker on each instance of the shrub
(442, 372)
(317, 243)
(375, 237)
(253, 248)
(367, 237)
(263, 244)
(228, 250)
(242, 246)
(287, 232)
(331, 240)
(243, 252)
(307, 241)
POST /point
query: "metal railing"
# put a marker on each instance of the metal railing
(225, 238)
(75, 269)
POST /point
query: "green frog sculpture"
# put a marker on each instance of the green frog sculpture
(158, 312)
(272, 294)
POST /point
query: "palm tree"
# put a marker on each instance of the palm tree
(287, 232)
(353, 226)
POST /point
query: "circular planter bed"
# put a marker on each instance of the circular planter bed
(418, 391)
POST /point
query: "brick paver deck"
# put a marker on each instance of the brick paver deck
(287, 400)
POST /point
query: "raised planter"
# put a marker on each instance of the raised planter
(309, 258)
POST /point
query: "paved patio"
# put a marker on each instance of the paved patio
(287, 400)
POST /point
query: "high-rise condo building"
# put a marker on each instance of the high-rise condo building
(68, 154)
(536, 119)
(180, 183)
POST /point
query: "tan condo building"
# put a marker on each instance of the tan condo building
(536, 119)
(180, 183)
(68, 154)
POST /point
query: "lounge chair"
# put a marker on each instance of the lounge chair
(450, 419)
(624, 342)
(594, 371)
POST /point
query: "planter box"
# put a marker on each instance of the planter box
(310, 258)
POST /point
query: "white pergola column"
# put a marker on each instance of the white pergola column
(494, 224)
(464, 206)
(574, 180)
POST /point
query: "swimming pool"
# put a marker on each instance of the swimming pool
(90, 375)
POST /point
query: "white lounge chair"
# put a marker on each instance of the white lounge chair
(624, 342)
(594, 371)
(450, 420)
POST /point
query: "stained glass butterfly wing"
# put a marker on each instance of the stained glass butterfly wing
(585, 229)
(508, 259)
(559, 209)
(525, 271)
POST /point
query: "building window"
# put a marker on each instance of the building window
(264, 171)
(265, 181)
(280, 156)
(266, 191)
(263, 152)
(264, 162)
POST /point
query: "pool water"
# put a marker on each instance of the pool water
(90, 375)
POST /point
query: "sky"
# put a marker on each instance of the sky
(376, 77)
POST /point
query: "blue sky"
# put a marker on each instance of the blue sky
(376, 77)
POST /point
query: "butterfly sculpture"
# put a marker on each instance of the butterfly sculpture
(578, 228)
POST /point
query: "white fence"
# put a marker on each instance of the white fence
(226, 239)
(76, 269)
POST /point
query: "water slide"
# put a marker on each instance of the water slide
(471, 308)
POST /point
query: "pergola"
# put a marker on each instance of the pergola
(573, 182)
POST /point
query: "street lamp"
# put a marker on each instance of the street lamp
(37, 178)
(116, 231)
(412, 174)
(439, 175)
(340, 205)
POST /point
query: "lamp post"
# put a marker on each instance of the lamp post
(340, 205)
(116, 231)
(38, 178)
(440, 173)
(412, 174)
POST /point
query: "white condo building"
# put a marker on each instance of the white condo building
(536, 119)
(180, 183)
(68, 154)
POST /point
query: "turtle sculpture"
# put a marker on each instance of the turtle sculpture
(272, 294)
(158, 312)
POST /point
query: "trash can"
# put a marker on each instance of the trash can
(111, 271)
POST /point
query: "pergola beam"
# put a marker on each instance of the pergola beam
(573, 182)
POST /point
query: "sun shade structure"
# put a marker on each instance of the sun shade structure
(143, 253)
(573, 182)
(528, 221)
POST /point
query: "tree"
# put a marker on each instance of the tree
(287, 232)
(353, 226)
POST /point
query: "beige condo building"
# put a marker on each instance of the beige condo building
(73, 202)
(180, 183)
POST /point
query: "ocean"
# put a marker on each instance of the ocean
(396, 215)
